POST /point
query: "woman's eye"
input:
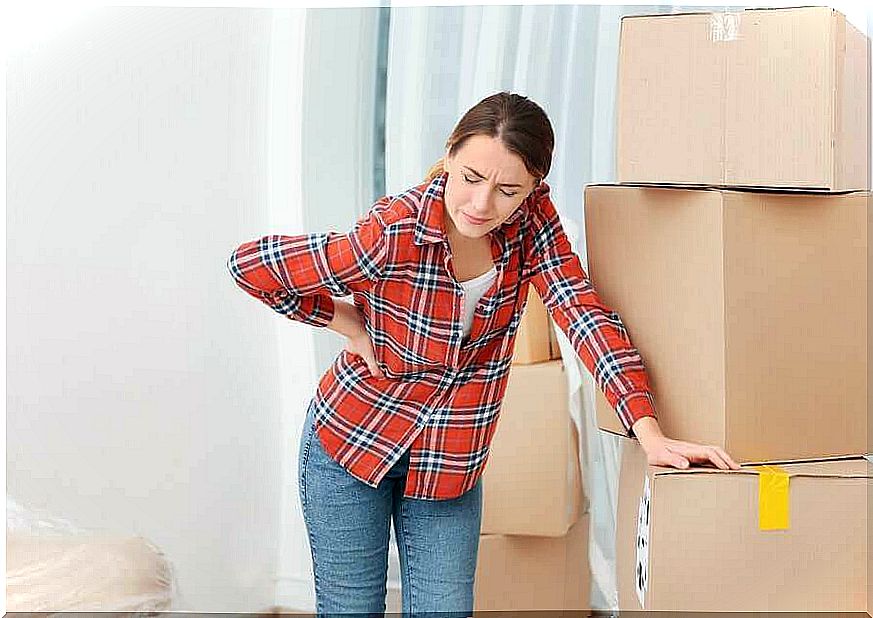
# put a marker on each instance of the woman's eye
(475, 180)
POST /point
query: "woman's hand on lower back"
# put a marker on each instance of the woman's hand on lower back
(361, 345)
(349, 322)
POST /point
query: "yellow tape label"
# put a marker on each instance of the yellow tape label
(772, 498)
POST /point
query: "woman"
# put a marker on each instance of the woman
(401, 423)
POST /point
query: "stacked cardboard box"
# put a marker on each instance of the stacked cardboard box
(744, 191)
(516, 572)
(535, 340)
(748, 308)
(755, 98)
(533, 547)
(789, 538)
(534, 453)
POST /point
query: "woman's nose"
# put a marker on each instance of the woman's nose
(481, 204)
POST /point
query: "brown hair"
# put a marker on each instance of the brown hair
(518, 122)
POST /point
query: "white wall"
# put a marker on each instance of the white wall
(143, 387)
(147, 394)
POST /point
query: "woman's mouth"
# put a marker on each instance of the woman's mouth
(474, 220)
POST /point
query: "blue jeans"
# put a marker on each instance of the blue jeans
(348, 525)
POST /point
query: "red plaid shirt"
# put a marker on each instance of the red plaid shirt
(442, 392)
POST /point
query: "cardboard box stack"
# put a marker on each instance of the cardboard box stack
(535, 341)
(743, 189)
(749, 309)
(533, 544)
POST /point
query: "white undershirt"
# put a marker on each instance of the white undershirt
(473, 291)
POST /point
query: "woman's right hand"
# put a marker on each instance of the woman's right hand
(361, 345)
(349, 322)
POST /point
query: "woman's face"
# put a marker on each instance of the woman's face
(486, 184)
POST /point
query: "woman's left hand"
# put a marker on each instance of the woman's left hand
(663, 451)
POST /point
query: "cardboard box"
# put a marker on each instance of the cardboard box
(534, 573)
(554, 347)
(749, 309)
(773, 97)
(532, 338)
(705, 539)
(532, 483)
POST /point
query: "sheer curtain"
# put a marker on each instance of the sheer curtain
(326, 169)
(441, 61)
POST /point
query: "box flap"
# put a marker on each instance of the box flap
(741, 10)
(854, 467)
(730, 188)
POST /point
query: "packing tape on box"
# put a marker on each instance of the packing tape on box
(724, 26)
(772, 498)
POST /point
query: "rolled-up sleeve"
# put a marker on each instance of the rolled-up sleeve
(298, 275)
(594, 329)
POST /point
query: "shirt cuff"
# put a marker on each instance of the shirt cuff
(317, 310)
(313, 309)
(635, 406)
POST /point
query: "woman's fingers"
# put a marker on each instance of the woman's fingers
(373, 365)
(365, 351)
(681, 454)
(733, 465)
(716, 458)
(676, 458)
(698, 453)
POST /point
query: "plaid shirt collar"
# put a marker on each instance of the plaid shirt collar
(429, 227)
